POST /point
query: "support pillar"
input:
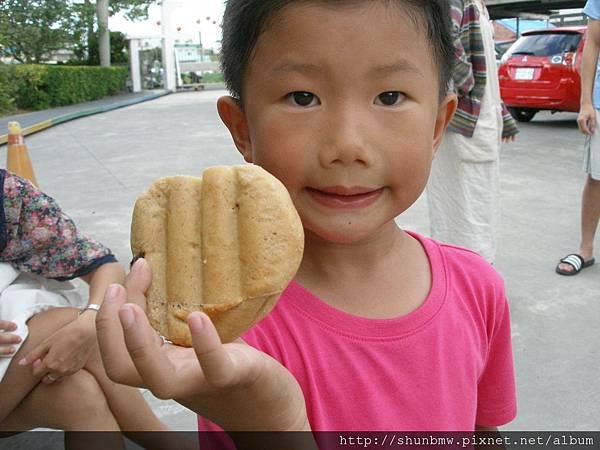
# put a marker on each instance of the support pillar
(134, 64)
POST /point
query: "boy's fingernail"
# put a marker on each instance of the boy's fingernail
(138, 264)
(111, 292)
(23, 362)
(126, 316)
(196, 323)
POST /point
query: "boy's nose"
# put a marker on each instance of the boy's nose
(345, 142)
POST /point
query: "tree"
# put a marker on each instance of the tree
(133, 9)
(32, 29)
(118, 49)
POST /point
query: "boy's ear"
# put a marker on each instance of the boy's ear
(234, 119)
(445, 113)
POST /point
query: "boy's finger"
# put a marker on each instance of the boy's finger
(217, 366)
(137, 282)
(111, 341)
(145, 347)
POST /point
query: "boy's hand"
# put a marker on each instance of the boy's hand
(234, 385)
(8, 340)
(62, 353)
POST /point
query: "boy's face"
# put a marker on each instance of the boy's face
(341, 104)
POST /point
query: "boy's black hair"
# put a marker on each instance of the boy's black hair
(245, 20)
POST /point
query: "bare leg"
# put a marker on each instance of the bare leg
(133, 412)
(590, 213)
(18, 381)
(76, 403)
(127, 404)
(129, 409)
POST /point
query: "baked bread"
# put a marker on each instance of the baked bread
(226, 244)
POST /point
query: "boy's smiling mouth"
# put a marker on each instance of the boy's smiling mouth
(341, 197)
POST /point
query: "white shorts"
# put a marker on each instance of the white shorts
(591, 153)
(24, 295)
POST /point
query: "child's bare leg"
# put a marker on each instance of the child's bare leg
(133, 413)
(127, 403)
(19, 381)
(75, 403)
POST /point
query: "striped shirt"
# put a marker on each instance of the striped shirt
(469, 71)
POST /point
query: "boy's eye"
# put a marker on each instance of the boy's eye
(304, 99)
(389, 98)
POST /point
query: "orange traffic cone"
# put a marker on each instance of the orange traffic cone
(17, 158)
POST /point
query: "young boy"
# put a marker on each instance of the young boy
(345, 102)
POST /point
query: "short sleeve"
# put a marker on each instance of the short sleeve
(38, 237)
(496, 395)
(592, 9)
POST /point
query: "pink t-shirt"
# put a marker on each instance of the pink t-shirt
(444, 367)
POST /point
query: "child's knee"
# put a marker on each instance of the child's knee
(80, 395)
(47, 322)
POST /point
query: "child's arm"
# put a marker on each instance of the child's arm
(234, 385)
(99, 280)
(67, 350)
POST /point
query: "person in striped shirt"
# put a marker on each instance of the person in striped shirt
(463, 190)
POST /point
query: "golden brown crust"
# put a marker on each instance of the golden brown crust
(227, 244)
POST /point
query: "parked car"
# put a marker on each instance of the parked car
(502, 46)
(540, 71)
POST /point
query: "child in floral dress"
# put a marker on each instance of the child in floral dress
(51, 374)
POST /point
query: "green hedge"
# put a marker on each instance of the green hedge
(7, 90)
(37, 86)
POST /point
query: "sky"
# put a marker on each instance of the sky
(186, 15)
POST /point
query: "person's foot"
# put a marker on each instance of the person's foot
(573, 263)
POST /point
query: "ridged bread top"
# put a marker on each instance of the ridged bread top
(227, 244)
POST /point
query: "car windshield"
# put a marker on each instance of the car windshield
(546, 44)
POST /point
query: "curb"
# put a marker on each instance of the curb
(83, 113)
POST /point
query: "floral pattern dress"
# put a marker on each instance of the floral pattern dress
(36, 236)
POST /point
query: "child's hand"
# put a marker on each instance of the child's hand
(8, 339)
(62, 353)
(234, 385)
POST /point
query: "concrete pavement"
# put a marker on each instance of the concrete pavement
(96, 167)
(35, 121)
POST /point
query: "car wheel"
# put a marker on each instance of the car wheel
(522, 114)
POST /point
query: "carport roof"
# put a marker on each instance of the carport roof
(500, 9)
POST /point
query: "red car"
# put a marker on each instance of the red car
(540, 71)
